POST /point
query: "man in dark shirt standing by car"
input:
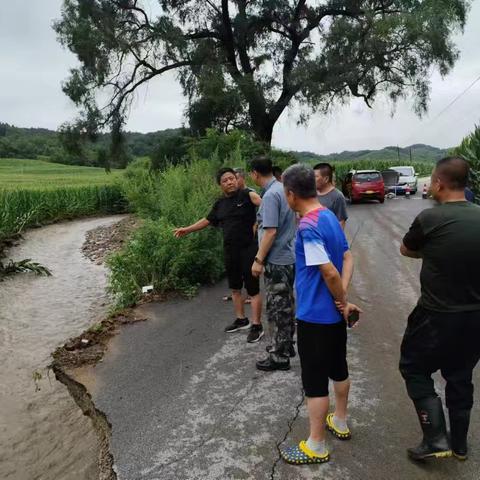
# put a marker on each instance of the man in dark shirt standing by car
(443, 331)
(235, 214)
(329, 196)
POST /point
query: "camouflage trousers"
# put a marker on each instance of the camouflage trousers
(279, 280)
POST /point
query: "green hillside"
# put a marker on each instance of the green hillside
(36, 143)
(418, 152)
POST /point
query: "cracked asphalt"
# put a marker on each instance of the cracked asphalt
(185, 401)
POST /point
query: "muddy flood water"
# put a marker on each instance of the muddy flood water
(43, 434)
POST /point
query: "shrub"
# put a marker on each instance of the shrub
(155, 257)
(181, 194)
(469, 149)
(226, 145)
(178, 196)
(170, 151)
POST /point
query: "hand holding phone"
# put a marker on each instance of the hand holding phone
(353, 318)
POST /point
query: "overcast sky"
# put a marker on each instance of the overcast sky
(33, 65)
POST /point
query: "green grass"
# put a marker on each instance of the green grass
(34, 192)
(39, 174)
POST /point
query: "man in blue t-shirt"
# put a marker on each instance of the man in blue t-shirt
(324, 267)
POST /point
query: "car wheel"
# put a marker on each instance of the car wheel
(381, 199)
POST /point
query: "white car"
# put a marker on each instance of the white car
(408, 177)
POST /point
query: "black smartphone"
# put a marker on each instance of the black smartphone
(353, 318)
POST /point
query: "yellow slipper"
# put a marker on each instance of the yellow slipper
(340, 434)
(301, 455)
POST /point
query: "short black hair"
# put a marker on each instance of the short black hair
(222, 172)
(325, 169)
(262, 165)
(454, 171)
(300, 179)
(277, 171)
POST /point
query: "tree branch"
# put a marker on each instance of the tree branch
(198, 35)
(133, 7)
(122, 94)
(228, 40)
(242, 40)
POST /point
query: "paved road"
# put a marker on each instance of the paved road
(186, 402)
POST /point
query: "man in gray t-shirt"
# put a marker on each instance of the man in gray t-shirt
(276, 260)
(328, 195)
(274, 212)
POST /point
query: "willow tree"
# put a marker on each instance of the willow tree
(273, 53)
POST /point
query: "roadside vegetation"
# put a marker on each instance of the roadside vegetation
(177, 196)
(470, 150)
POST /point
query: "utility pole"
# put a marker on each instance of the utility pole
(398, 153)
(411, 159)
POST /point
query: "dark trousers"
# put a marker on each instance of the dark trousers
(449, 342)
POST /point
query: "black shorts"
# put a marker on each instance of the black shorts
(323, 355)
(238, 265)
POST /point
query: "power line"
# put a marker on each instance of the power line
(428, 123)
(457, 98)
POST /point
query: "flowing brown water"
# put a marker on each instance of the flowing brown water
(43, 434)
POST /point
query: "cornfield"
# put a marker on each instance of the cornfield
(33, 192)
(24, 208)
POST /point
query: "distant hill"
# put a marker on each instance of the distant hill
(419, 152)
(18, 142)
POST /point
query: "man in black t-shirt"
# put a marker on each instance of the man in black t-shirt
(443, 331)
(235, 214)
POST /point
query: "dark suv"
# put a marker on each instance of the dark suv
(364, 185)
